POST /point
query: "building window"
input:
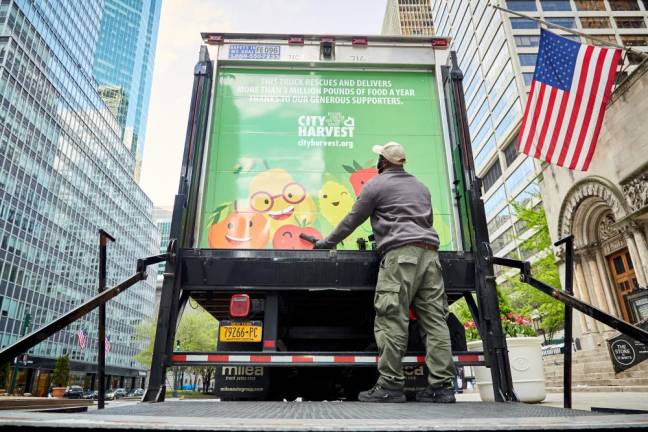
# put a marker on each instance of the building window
(590, 5)
(519, 176)
(528, 78)
(630, 22)
(499, 220)
(524, 23)
(521, 5)
(511, 152)
(492, 175)
(555, 5)
(609, 38)
(595, 22)
(527, 41)
(495, 201)
(624, 5)
(504, 239)
(635, 40)
(528, 59)
(566, 22)
(485, 153)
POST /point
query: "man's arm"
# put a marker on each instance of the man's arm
(361, 210)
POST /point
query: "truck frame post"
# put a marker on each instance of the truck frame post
(489, 324)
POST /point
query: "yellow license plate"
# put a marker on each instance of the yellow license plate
(241, 332)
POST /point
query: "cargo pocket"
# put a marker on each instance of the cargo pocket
(387, 299)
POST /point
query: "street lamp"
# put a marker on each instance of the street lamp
(174, 393)
(536, 319)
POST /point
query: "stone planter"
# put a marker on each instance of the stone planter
(527, 370)
(58, 392)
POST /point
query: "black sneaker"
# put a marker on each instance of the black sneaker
(436, 395)
(380, 394)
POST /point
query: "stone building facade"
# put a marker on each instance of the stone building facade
(606, 209)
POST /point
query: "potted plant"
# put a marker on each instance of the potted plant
(525, 358)
(61, 376)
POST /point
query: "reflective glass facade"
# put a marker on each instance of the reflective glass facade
(408, 18)
(65, 173)
(123, 65)
(497, 52)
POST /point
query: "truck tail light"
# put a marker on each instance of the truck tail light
(359, 41)
(240, 305)
(440, 43)
(215, 39)
(296, 40)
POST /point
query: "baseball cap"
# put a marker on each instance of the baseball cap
(392, 151)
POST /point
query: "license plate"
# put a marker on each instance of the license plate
(240, 331)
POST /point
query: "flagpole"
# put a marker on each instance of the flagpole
(568, 30)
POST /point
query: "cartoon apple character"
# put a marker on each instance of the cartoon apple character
(287, 237)
(240, 231)
(359, 176)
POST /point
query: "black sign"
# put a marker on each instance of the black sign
(627, 352)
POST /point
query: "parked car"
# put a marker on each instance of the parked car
(116, 394)
(73, 392)
(136, 392)
(90, 394)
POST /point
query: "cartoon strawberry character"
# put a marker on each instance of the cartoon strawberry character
(359, 176)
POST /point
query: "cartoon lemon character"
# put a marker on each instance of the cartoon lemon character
(335, 202)
(277, 195)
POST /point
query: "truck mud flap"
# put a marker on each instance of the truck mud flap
(242, 382)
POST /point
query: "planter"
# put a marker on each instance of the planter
(58, 392)
(527, 370)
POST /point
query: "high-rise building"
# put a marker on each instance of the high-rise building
(162, 218)
(64, 174)
(408, 18)
(123, 65)
(497, 54)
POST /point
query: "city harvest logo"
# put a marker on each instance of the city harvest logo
(331, 125)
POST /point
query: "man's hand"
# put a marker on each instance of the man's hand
(321, 245)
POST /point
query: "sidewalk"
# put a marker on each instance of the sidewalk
(586, 400)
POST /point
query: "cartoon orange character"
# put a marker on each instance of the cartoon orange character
(240, 231)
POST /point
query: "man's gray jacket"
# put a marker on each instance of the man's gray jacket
(400, 208)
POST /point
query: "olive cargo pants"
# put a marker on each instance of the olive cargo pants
(411, 275)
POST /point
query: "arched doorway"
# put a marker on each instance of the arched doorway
(606, 269)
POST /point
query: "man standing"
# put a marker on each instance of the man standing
(400, 208)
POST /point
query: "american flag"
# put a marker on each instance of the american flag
(107, 344)
(82, 336)
(569, 92)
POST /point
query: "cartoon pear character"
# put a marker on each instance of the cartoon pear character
(275, 194)
(335, 202)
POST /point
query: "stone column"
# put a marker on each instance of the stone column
(583, 292)
(642, 249)
(608, 287)
(634, 256)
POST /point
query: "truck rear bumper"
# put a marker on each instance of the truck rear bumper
(463, 358)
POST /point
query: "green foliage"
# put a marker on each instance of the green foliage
(61, 375)
(517, 300)
(524, 298)
(5, 375)
(197, 332)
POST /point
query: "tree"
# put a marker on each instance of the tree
(61, 375)
(197, 331)
(5, 375)
(524, 298)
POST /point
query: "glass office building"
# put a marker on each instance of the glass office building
(408, 18)
(64, 174)
(497, 54)
(123, 65)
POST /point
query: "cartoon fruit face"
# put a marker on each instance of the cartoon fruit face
(287, 237)
(335, 202)
(240, 231)
(275, 194)
(359, 178)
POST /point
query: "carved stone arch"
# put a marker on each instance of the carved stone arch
(600, 194)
